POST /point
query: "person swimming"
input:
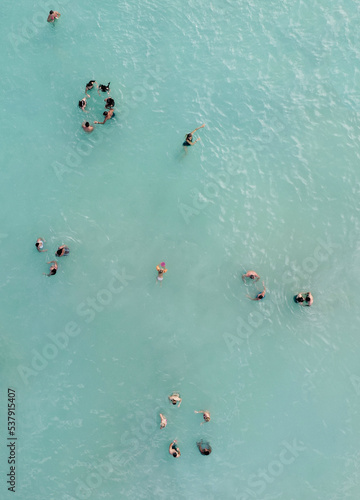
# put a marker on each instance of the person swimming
(53, 15)
(299, 299)
(304, 299)
(82, 104)
(204, 450)
(174, 450)
(309, 299)
(251, 275)
(104, 88)
(206, 415)
(108, 114)
(89, 86)
(61, 251)
(110, 103)
(87, 127)
(163, 422)
(40, 245)
(53, 268)
(175, 398)
(188, 138)
(260, 295)
(161, 271)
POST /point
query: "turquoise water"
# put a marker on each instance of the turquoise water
(94, 351)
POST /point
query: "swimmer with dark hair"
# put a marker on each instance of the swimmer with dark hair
(89, 86)
(175, 399)
(206, 415)
(251, 275)
(61, 251)
(87, 127)
(299, 299)
(309, 299)
(204, 450)
(40, 245)
(108, 114)
(104, 88)
(260, 295)
(110, 103)
(304, 299)
(82, 104)
(174, 449)
(53, 268)
(53, 15)
(189, 137)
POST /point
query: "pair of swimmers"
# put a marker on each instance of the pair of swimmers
(53, 15)
(175, 399)
(109, 103)
(304, 299)
(102, 88)
(204, 448)
(252, 275)
(89, 128)
(60, 252)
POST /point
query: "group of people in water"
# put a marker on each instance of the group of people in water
(302, 298)
(109, 104)
(60, 252)
(174, 450)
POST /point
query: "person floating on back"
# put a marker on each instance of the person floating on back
(251, 275)
(61, 251)
(104, 88)
(189, 137)
(53, 15)
(260, 295)
(204, 450)
(206, 415)
(53, 268)
(175, 399)
(304, 299)
(108, 114)
(163, 422)
(40, 245)
(87, 127)
(89, 86)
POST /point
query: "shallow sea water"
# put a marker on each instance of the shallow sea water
(94, 351)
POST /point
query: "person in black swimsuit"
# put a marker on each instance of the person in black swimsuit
(188, 138)
(110, 103)
(89, 86)
(204, 450)
(53, 268)
(61, 251)
(82, 104)
(104, 88)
